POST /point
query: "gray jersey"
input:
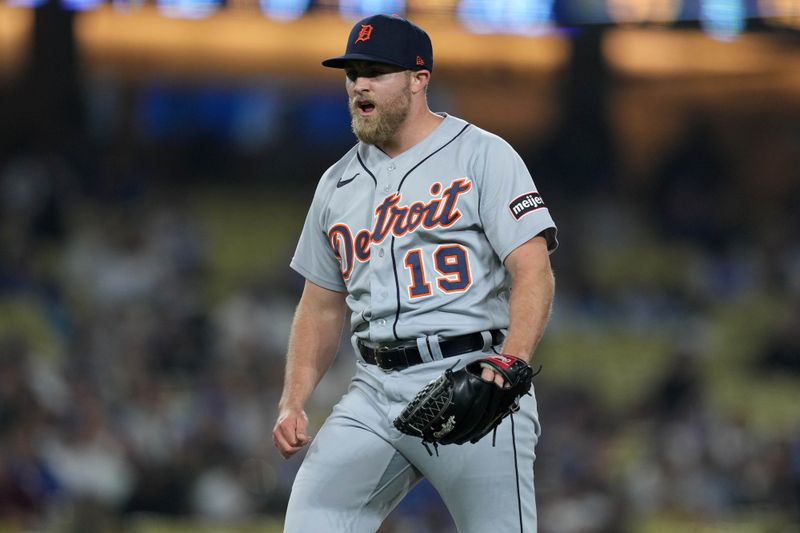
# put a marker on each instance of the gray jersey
(418, 241)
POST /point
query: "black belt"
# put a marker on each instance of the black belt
(399, 358)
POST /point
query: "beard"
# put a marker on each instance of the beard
(387, 119)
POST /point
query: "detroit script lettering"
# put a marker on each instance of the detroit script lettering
(399, 220)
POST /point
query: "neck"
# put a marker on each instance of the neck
(418, 124)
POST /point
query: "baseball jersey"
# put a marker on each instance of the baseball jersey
(418, 241)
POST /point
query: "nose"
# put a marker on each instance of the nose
(361, 84)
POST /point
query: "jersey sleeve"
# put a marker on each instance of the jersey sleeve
(314, 258)
(511, 208)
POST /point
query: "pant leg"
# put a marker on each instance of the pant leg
(494, 488)
(485, 488)
(352, 477)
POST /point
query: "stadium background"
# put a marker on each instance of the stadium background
(156, 162)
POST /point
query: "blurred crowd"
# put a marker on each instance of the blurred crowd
(128, 388)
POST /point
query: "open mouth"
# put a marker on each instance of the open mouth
(365, 108)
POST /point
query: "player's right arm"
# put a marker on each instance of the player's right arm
(313, 343)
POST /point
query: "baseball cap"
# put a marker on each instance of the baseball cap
(387, 39)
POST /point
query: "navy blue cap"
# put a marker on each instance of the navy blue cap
(392, 40)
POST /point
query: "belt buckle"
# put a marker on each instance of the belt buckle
(381, 350)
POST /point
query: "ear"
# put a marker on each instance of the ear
(419, 80)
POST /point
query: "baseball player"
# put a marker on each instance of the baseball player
(431, 237)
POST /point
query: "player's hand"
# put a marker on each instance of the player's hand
(289, 434)
(489, 375)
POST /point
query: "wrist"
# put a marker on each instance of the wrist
(289, 405)
(524, 357)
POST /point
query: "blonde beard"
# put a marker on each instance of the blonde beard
(382, 127)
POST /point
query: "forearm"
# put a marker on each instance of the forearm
(529, 308)
(313, 343)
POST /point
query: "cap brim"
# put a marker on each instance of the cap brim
(341, 61)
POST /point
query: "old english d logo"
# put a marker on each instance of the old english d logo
(365, 33)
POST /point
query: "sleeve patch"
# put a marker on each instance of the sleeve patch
(522, 205)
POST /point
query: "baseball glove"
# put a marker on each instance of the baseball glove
(460, 407)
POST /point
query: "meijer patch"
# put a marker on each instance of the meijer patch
(522, 205)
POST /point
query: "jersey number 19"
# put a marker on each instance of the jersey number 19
(451, 262)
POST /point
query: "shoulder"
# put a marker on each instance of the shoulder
(488, 141)
(480, 142)
(483, 150)
(476, 145)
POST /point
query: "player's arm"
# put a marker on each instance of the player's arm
(532, 288)
(313, 343)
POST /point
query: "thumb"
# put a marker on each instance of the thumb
(300, 430)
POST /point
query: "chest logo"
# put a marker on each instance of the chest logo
(342, 182)
(441, 211)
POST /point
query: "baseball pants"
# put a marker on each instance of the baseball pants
(359, 467)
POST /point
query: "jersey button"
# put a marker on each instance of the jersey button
(387, 188)
(381, 252)
(391, 167)
(381, 322)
